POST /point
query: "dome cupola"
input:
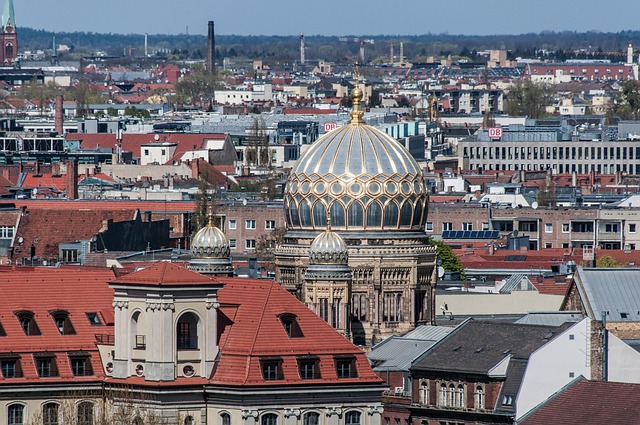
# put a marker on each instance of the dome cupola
(210, 242)
(328, 248)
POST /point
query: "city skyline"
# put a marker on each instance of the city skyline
(286, 17)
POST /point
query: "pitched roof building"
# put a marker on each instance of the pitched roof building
(173, 344)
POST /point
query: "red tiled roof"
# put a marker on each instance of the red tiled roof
(57, 182)
(75, 290)
(165, 274)
(590, 403)
(105, 205)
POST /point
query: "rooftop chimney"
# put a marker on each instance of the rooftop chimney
(72, 179)
(59, 115)
(211, 49)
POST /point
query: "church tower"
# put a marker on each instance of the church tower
(8, 35)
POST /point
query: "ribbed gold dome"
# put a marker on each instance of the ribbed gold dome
(328, 248)
(364, 177)
(210, 242)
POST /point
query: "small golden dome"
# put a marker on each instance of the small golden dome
(210, 242)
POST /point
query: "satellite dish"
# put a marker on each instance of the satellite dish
(440, 272)
(534, 205)
(156, 137)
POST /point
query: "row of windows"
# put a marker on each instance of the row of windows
(571, 167)
(532, 226)
(453, 395)
(251, 224)
(548, 152)
(46, 365)
(60, 317)
(308, 368)
(51, 414)
(309, 418)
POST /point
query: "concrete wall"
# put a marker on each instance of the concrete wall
(518, 302)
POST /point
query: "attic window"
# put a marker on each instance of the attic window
(309, 368)
(624, 315)
(507, 400)
(10, 365)
(291, 326)
(94, 319)
(61, 319)
(2, 332)
(28, 322)
(271, 369)
(46, 365)
(81, 364)
(346, 367)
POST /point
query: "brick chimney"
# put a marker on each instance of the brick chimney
(72, 179)
(59, 115)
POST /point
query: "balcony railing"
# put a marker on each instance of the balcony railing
(187, 342)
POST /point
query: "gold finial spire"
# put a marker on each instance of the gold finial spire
(328, 220)
(210, 215)
(356, 97)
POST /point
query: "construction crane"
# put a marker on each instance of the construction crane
(361, 41)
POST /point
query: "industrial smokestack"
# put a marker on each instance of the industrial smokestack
(362, 51)
(391, 54)
(211, 49)
(301, 48)
(59, 115)
(146, 45)
(629, 53)
(401, 52)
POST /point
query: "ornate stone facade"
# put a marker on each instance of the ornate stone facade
(375, 194)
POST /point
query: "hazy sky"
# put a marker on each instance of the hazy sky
(328, 17)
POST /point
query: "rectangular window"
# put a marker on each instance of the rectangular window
(485, 226)
(94, 319)
(250, 244)
(565, 227)
(272, 370)
(548, 227)
(232, 225)
(270, 224)
(611, 228)
(232, 243)
(632, 227)
(447, 225)
(81, 366)
(6, 232)
(250, 224)
(429, 226)
(467, 226)
(11, 368)
(46, 367)
(346, 367)
(309, 368)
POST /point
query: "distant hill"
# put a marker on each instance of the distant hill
(281, 48)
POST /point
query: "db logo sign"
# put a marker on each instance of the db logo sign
(495, 133)
(328, 126)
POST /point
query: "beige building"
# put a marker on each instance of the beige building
(376, 197)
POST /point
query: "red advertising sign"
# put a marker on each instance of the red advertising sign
(328, 126)
(495, 133)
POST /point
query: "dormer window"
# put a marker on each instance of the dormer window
(94, 319)
(291, 326)
(346, 367)
(28, 322)
(46, 365)
(309, 368)
(2, 332)
(271, 369)
(80, 364)
(61, 319)
(10, 365)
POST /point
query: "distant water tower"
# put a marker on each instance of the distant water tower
(301, 48)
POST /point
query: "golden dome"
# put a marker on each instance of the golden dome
(362, 176)
(328, 248)
(210, 242)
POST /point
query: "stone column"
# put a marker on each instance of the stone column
(210, 328)
(122, 342)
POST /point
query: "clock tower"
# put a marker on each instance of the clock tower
(8, 35)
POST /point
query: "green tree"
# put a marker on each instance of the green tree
(607, 262)
(39, 92)
(547, 194)
(198, 87)
(528, 98)
(258, 153)
(84, 94)
(267, 243)
(450, 261)
(627, 103)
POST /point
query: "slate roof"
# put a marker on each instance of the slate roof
(426, 332)
(589, 403)
(550, 318)
(477, 346)
(615, 291)
(397, 353)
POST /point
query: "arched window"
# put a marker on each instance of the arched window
(355, 215)
(406, 214)
(138, 421)
(452, 395)
(305, 213)
(311, 418)
(443, 395)
(8, 51)
(319, 215)
(391, 215)
(461, 395)
(187, 332)
(374, 215)
(138, 330)
(15, 414)
(352, 418)
(85, 413)
(424, 392)
(225, 419)
(479, 401)
(50, 414)
(269, 419)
